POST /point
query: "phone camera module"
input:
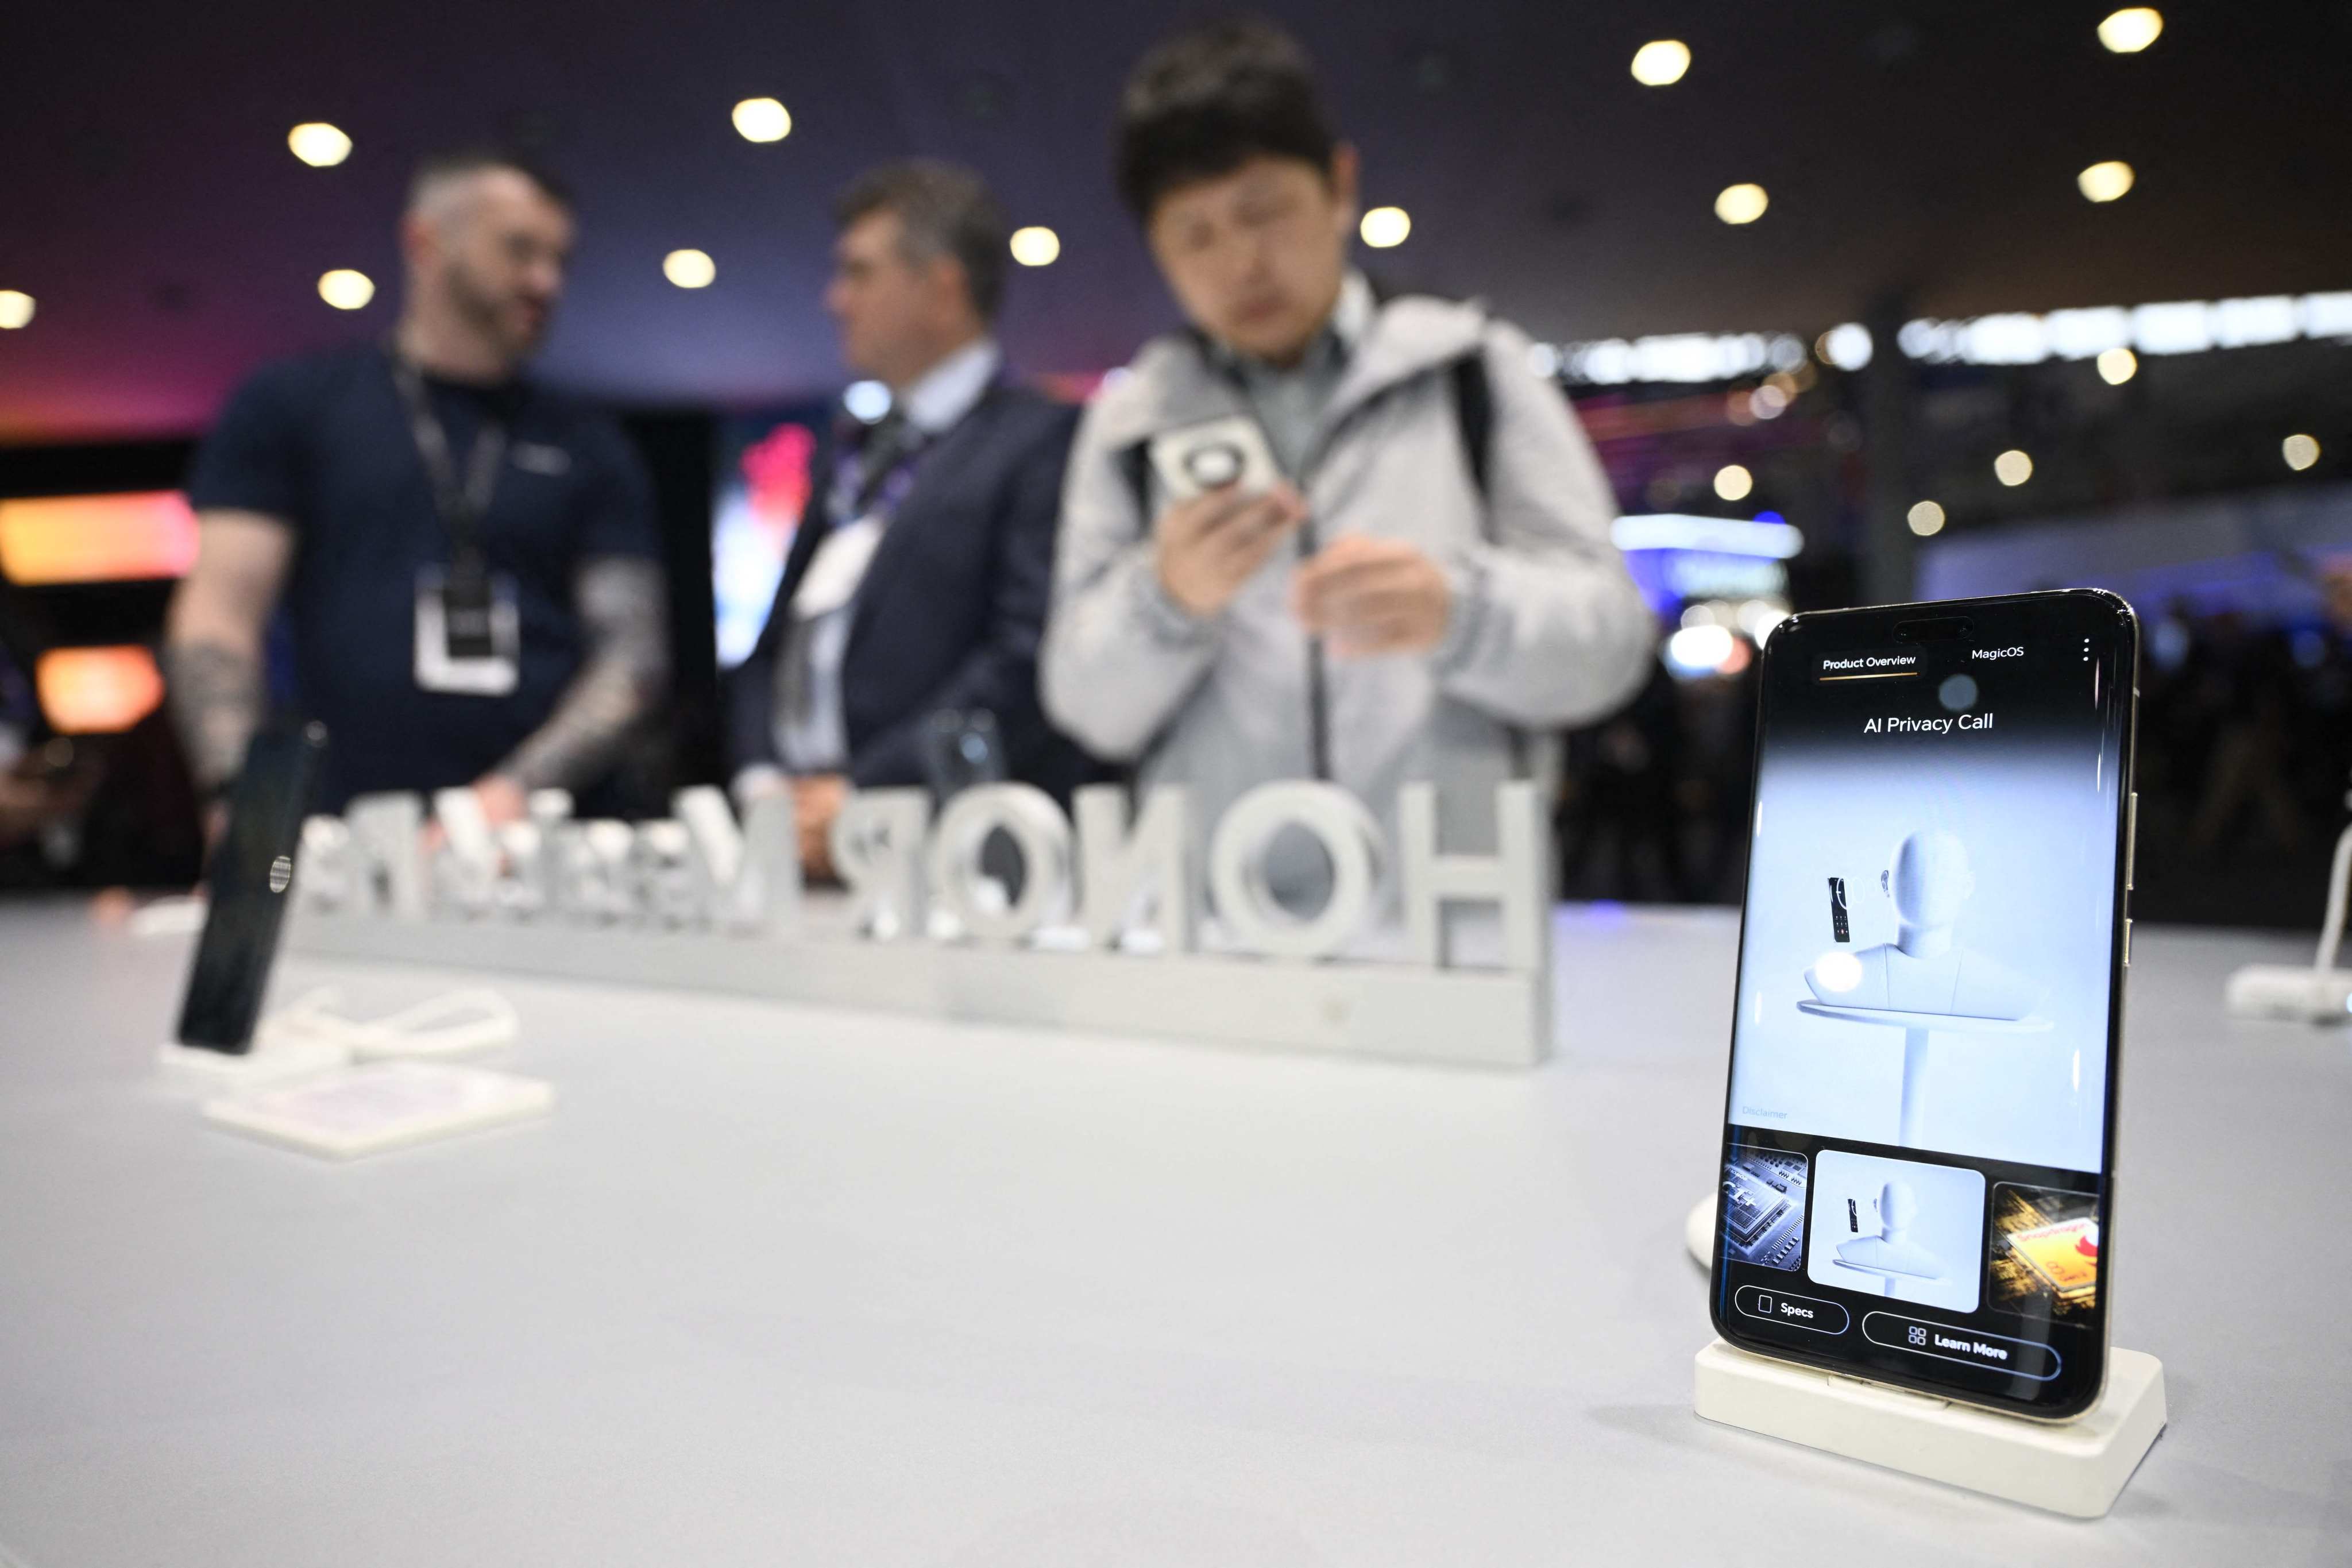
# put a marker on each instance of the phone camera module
(1214, 463)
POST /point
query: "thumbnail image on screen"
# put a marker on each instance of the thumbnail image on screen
(1764, 1207)
(2044, 1254)
(1902, 1228)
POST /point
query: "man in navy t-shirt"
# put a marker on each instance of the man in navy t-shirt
(467, 561)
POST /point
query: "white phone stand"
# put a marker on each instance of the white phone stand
(2078, 1468)
(308, 1036)
(1698, 1231)
(454, 1023)
(195, 1071)
(2319, 995)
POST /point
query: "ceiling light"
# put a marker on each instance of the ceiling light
(1696, 650)
(1715, 535)
(1035, 246)
(1741, 203)
(2300, 452)
(1846, 346)
(2087, 333)
(1661, 63)
(2118, 366)
(2012, 467)
(1926, 518)
(763, 120)
(690, 268)
(319, 144)
(16, 310)
(1758, 616)
(1385, 226)
(2132, 30)
(2106, 182)
(1733, 482)
(346, 289)
(2176, 327)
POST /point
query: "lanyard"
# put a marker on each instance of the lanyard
(461, 504)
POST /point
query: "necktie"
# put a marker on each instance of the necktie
(879, 450)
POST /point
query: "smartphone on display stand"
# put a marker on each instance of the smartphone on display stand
(247, 888)
(1919, 1126)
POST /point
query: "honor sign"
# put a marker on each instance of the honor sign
(1098, 931)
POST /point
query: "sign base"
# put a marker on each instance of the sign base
(1400, 1012)
(2078, 1468)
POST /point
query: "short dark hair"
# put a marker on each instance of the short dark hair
(943, 209)
(1206, 101)
(454, 163)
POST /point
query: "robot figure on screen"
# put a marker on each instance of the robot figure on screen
(1891, 1251)
(1924, 970)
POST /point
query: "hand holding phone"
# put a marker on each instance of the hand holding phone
(1207, 547)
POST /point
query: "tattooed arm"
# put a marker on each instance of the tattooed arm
(620, 603)
(213, 637)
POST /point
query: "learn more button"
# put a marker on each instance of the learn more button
(1969, 1347)
(1796, 1311)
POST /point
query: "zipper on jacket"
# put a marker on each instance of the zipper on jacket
(1318, 663)
(1319, 698)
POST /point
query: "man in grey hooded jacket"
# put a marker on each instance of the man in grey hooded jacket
(1431, 583)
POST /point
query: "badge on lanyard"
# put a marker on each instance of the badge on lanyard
(468, 632)
(469, 626)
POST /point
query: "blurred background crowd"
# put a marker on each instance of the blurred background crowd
(1854, 304)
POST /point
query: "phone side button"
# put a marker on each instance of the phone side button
(2127, 941)
(2131, 841)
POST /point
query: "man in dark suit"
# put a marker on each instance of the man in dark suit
(916, 586)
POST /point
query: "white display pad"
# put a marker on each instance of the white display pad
(1484, 1018)
(387, 1105)
(2078, 1468)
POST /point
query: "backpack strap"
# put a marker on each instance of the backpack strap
(1473, 416)
(1135, 467)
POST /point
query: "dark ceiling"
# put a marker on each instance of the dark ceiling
(173, 242)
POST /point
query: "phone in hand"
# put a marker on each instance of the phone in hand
(247, 888)
(1937, 1077)
(1214, 453)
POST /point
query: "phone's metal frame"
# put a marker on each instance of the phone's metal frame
(2118, 954)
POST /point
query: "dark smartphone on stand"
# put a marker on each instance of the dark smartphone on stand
(1935, 1088)
(247, 888)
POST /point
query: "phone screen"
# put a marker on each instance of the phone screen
(1919, 1124)
(247, 887)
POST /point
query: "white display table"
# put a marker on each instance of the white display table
(787, 1285)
